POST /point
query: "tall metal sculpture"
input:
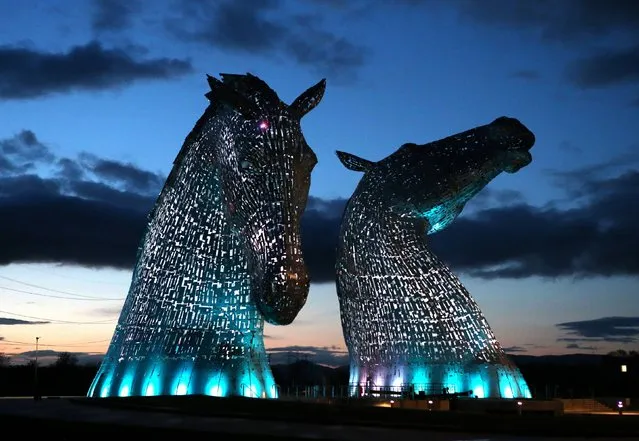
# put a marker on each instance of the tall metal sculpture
(221, 252)
(409, 323)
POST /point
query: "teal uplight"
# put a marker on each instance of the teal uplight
(420, 379)
(505, 387)
(454, 381)
(106, 386)
(125, 391)
(127, 381)
(354, 376)
(153, 383)
(523, 387)
(249, 390)
(217, 386)
(182, 382)
(92, 387)
(478, 386)
(272, 390)
(250, 386)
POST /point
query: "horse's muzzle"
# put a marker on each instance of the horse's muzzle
(282, 299)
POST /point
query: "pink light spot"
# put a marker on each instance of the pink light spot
(264, 125)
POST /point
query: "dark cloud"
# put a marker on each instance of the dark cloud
(93, 213)
(326, 355)
(109, 311)
(526, 74)
(27, 73)
(607, 329)
(6, 321)
(19, 153)
(606, 68)
(572, 180)
(578, 346)
(597, 238)
(264, 27)
(124, 175)
(70, 229)
(621, 340)
(488, 198)
(47, 219)
(25, 186)
(568, 20)
(113, 15)
(69, 169)
(576, 22)
(514, 349)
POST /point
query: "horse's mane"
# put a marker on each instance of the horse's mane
(240, 92)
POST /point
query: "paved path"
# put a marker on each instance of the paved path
(64, 409)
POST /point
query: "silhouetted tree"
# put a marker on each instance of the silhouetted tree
(4, 360)
(618, 353)
(66, 359)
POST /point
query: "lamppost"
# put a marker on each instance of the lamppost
(36, 392)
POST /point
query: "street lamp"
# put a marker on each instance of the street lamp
(36, 392)
(519, 404)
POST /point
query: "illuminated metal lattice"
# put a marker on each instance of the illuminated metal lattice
(221, 252)
(409, 323)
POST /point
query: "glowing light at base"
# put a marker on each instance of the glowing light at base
(221, 253)
(125, 391)
(149, 391)
(217, 386)
(402, 309)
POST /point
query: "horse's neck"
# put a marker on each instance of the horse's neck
(189, 240)
(380, 244)
(384, 259)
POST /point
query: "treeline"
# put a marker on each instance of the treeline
(64, 377)
(579, 376)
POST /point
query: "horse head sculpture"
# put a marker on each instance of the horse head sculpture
(221, 253)
(434, 181)
(408, 321)
(264, 166)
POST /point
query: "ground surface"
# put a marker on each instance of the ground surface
(71, 419)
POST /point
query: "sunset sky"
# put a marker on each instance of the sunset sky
(92, 86)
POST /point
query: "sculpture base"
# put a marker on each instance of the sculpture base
(184, 377)
(481, 380)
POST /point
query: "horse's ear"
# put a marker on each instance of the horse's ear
(309, 99)
(354, 163)
(223, 93)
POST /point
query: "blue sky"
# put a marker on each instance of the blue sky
(549, 253)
